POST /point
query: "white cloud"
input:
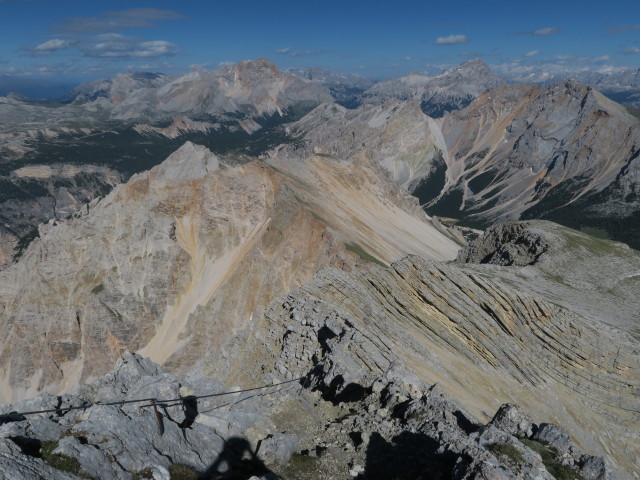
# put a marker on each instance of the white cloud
(451, 40)
(300, 53)
(45, 69)
(611, 69)
(632, 51)
(407, 58)
(127, 47)
(539, 32)
(560, 65)
(54, 44)
(45, 49)
(532, 53)
(546, 31)
(200, 67)
(111, 37)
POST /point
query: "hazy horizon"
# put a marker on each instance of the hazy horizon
(72, 42)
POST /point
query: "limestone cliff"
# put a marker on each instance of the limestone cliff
(177, 260)
(402, 139)
(526, 150)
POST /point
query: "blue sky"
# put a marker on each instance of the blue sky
(81, 40)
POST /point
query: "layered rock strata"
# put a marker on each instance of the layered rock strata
(595, 277)
(483, 341)
(515, 145)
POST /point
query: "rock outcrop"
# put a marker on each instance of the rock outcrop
(108, 123)
(512, 243)
(516, 152)
(396, 426)
(37, 194)
(279, 269)
(346, 89)
(183, 263)
(255, 87)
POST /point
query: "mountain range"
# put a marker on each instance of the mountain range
(622, 86)
(244, 227)
(453, 89)
(279, 267)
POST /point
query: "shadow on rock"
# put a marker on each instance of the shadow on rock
(190, 405)
(237, 461)
(337, 392)
(408, 456)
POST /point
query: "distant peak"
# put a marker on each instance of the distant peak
(257, 64)
(189, 162)
(475, 64)
(474, 61)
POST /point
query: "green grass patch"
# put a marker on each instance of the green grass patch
(24, 242)
(634, 111)
(358, 250)
(182, 472)
(299, 467)
(482, 181)
(145, 473)
(596, 232)
(59, 461)
(594, 245)
(448, 205)
(578, 215)
(506, 450)
(117, 316)
(431, 186)
(549, 459)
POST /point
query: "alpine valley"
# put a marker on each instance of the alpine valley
(254, 273)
